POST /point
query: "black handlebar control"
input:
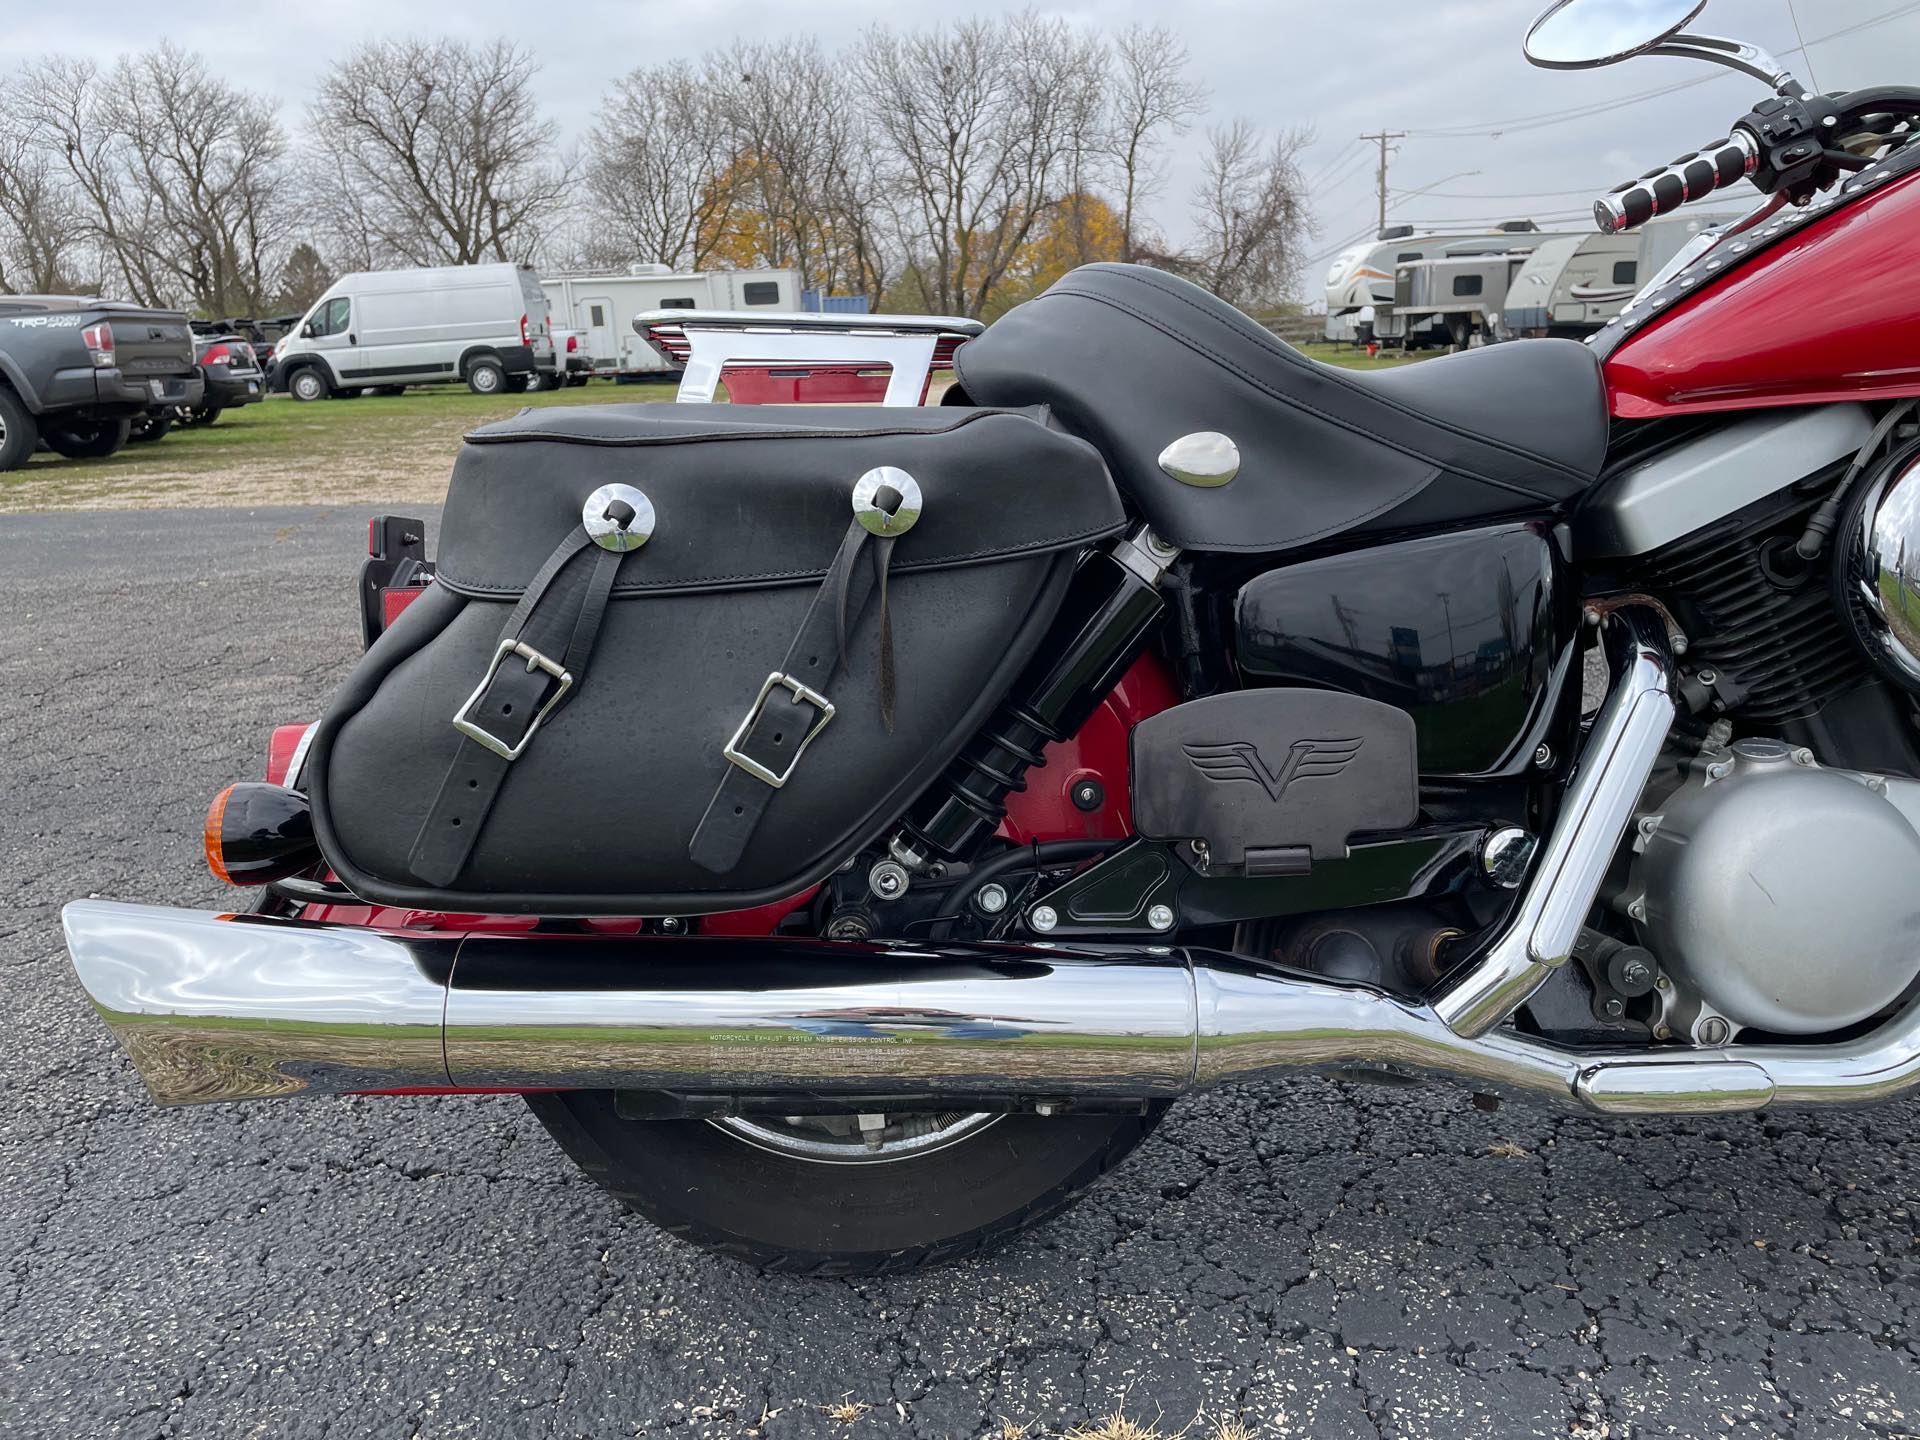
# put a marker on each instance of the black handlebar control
(1659, 192)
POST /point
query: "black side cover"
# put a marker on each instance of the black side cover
(1272, 780)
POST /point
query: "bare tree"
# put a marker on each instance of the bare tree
(983, 125)
(440, 152)
(207, 158)
(807, 192)
(1150, 98)
(658, 163)
(158, 178)
(43, 229)
(1249, 215)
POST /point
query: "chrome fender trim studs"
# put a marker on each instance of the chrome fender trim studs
(618, 517)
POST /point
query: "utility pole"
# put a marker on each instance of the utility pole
(1380, 175)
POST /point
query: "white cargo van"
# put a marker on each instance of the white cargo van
(386, 329)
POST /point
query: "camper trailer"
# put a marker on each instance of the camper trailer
(1573, 284)
(1363, 276)
(602, 307)
(1455, 299)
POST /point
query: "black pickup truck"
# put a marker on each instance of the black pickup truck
(74, 371)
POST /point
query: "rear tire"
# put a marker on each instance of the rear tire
(87, 439)
(486, 377)
(308, 383)
(19, 432)
(714, 1184)
(149, 427)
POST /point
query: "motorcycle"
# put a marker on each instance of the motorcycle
(851, 828)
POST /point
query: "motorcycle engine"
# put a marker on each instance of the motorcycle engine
(1779, 895)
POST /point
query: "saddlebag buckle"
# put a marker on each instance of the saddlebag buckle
(509, 750)
(803, 695)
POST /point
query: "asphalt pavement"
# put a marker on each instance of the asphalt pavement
(1321, 1259)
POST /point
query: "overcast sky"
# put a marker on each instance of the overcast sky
(1337, 66)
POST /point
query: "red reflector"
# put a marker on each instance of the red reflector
(373, 536)
(392, 602)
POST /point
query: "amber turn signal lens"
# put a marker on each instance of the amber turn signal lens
(257, 832)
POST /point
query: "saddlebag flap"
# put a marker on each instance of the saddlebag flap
(687, 658)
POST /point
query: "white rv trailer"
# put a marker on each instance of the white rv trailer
(1573, 284)
(602, 307)
(1364, 275)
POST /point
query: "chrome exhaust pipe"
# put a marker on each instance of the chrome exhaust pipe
(221, 1007)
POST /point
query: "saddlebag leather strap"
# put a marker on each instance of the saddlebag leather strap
(539, 662)
(792, 707)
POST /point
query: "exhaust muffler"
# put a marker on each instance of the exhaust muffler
(224, 1007)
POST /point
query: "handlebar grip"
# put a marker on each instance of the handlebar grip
(1659, 192)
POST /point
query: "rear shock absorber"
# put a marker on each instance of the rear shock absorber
(1111, 605)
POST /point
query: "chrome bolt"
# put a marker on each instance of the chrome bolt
(1663, 983)
(888, 879)
(992, 899)
(1662, 1032)
(1543, 756)
(1802, 756)
(1719, 771)
(672, 925)
(1679, 645)
(1160, 917)
(1635, 973)
(1613, 1007)
(1648, 824)
(1638, 909)
(1505, 856)
(1713, 1031)
(1043, 918)
(1709, 676)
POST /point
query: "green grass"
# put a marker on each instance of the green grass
(279, 451)
(1350, 357)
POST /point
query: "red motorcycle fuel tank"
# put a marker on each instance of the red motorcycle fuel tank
(1831, 312)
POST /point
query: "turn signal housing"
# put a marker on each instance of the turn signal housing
(256, 833)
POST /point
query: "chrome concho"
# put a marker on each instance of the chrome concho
(1205, 459)
(881, 513)
(1890, 565)
(618, 517)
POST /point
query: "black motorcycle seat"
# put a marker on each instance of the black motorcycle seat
(1133, 358)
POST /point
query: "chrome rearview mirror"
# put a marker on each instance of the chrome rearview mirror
(1583, 34)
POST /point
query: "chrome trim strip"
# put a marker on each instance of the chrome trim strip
(1619, 756)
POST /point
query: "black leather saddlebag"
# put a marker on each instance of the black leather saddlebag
(683, 658)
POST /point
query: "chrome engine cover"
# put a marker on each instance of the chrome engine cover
(1784, 896)
(1888, 569)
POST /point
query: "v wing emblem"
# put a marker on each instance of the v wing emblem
(1240, 760)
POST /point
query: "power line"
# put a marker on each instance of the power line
(1528, 195)
(1333, 163)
